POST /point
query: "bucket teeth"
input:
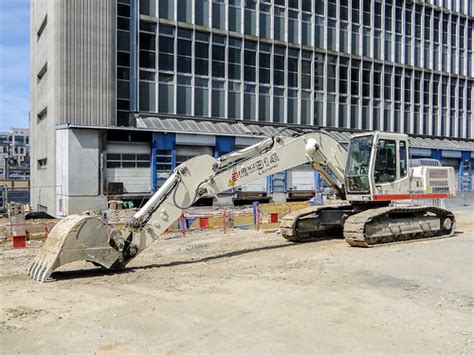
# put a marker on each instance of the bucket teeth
(39, 271)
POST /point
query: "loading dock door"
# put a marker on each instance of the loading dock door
(129, 163)
(301, 178)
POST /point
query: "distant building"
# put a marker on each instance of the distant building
(15, 154)
(124, 90)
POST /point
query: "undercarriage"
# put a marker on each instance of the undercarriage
(365, 225)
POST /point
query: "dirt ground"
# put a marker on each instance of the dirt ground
(250, 292)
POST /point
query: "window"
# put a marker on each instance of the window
(331, 111)
(378, 14)
(332, 8)
(147, 96)
(377, 44)
(398, 16)
(388, 83)
(265, 20)
(166, 9)
(127, 160)
(366, 14)
(292, 107)
(293, 26)
(42, 27)
(218, 98)
(123, 64)
(355, 11)
(377, 81)
(201, 60)
(342, 112)
(279, 65)
(166, 46)
(42, 114)
(184, 10)
(366, 42)
(201, 16)
(403, 159)
(264, 104)
(184, 51)
(355, 68)
(331, 74)
(249, 102)
(388, 16)
(306, 70)
(306, 29)
(332, 34)
(366, 79)
(250, 61)
(344, 37)
(184, 94)
(398, 84)
(42, 72)
(293, 55)
(218, 14)
(408, 76)
(343, 76)
(278, 105)
(279, 23)
(234, 53)
(408, 44)
(218, 56)
(166, 93)
(319, 32)
(385, 169)
(234, 100)
(319, 72)
(201, 97)
(388, 47)
(264, 63)
(147, 7)
(234, 15)
(354, 113)
(250, 17)
(305, 107)
(344, 10)
(42, 163)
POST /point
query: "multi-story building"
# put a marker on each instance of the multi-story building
(15, 154)
(124, 90)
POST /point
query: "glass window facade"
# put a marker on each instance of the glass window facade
(389, 65)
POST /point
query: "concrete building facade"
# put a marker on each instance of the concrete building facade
(15, 154)
(124, 90)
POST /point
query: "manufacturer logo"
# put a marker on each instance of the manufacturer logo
(260, 167)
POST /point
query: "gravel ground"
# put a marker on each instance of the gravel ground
(248, 291)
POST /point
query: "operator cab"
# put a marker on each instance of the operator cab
(377, 165)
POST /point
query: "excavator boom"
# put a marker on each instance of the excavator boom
(89, 238)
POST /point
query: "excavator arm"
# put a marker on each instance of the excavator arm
(83, 237)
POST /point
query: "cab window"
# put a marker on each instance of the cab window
(403, 159)
(386, 162)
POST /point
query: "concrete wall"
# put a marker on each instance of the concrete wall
(78, 172)
(43, 96)
(78, 45)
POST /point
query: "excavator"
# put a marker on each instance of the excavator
(373, 182)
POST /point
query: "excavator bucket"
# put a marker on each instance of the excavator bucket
(74, 238)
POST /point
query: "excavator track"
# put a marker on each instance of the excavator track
(397, 224)
(289, 226)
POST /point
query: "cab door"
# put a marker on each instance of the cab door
(390, 168)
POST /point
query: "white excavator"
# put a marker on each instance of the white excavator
(371, 181)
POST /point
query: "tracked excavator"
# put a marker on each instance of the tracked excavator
(371, 181)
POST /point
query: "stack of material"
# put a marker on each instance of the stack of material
(115, 205)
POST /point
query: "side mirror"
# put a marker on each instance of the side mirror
(381, 144)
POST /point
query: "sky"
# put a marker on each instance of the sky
(14, 63)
